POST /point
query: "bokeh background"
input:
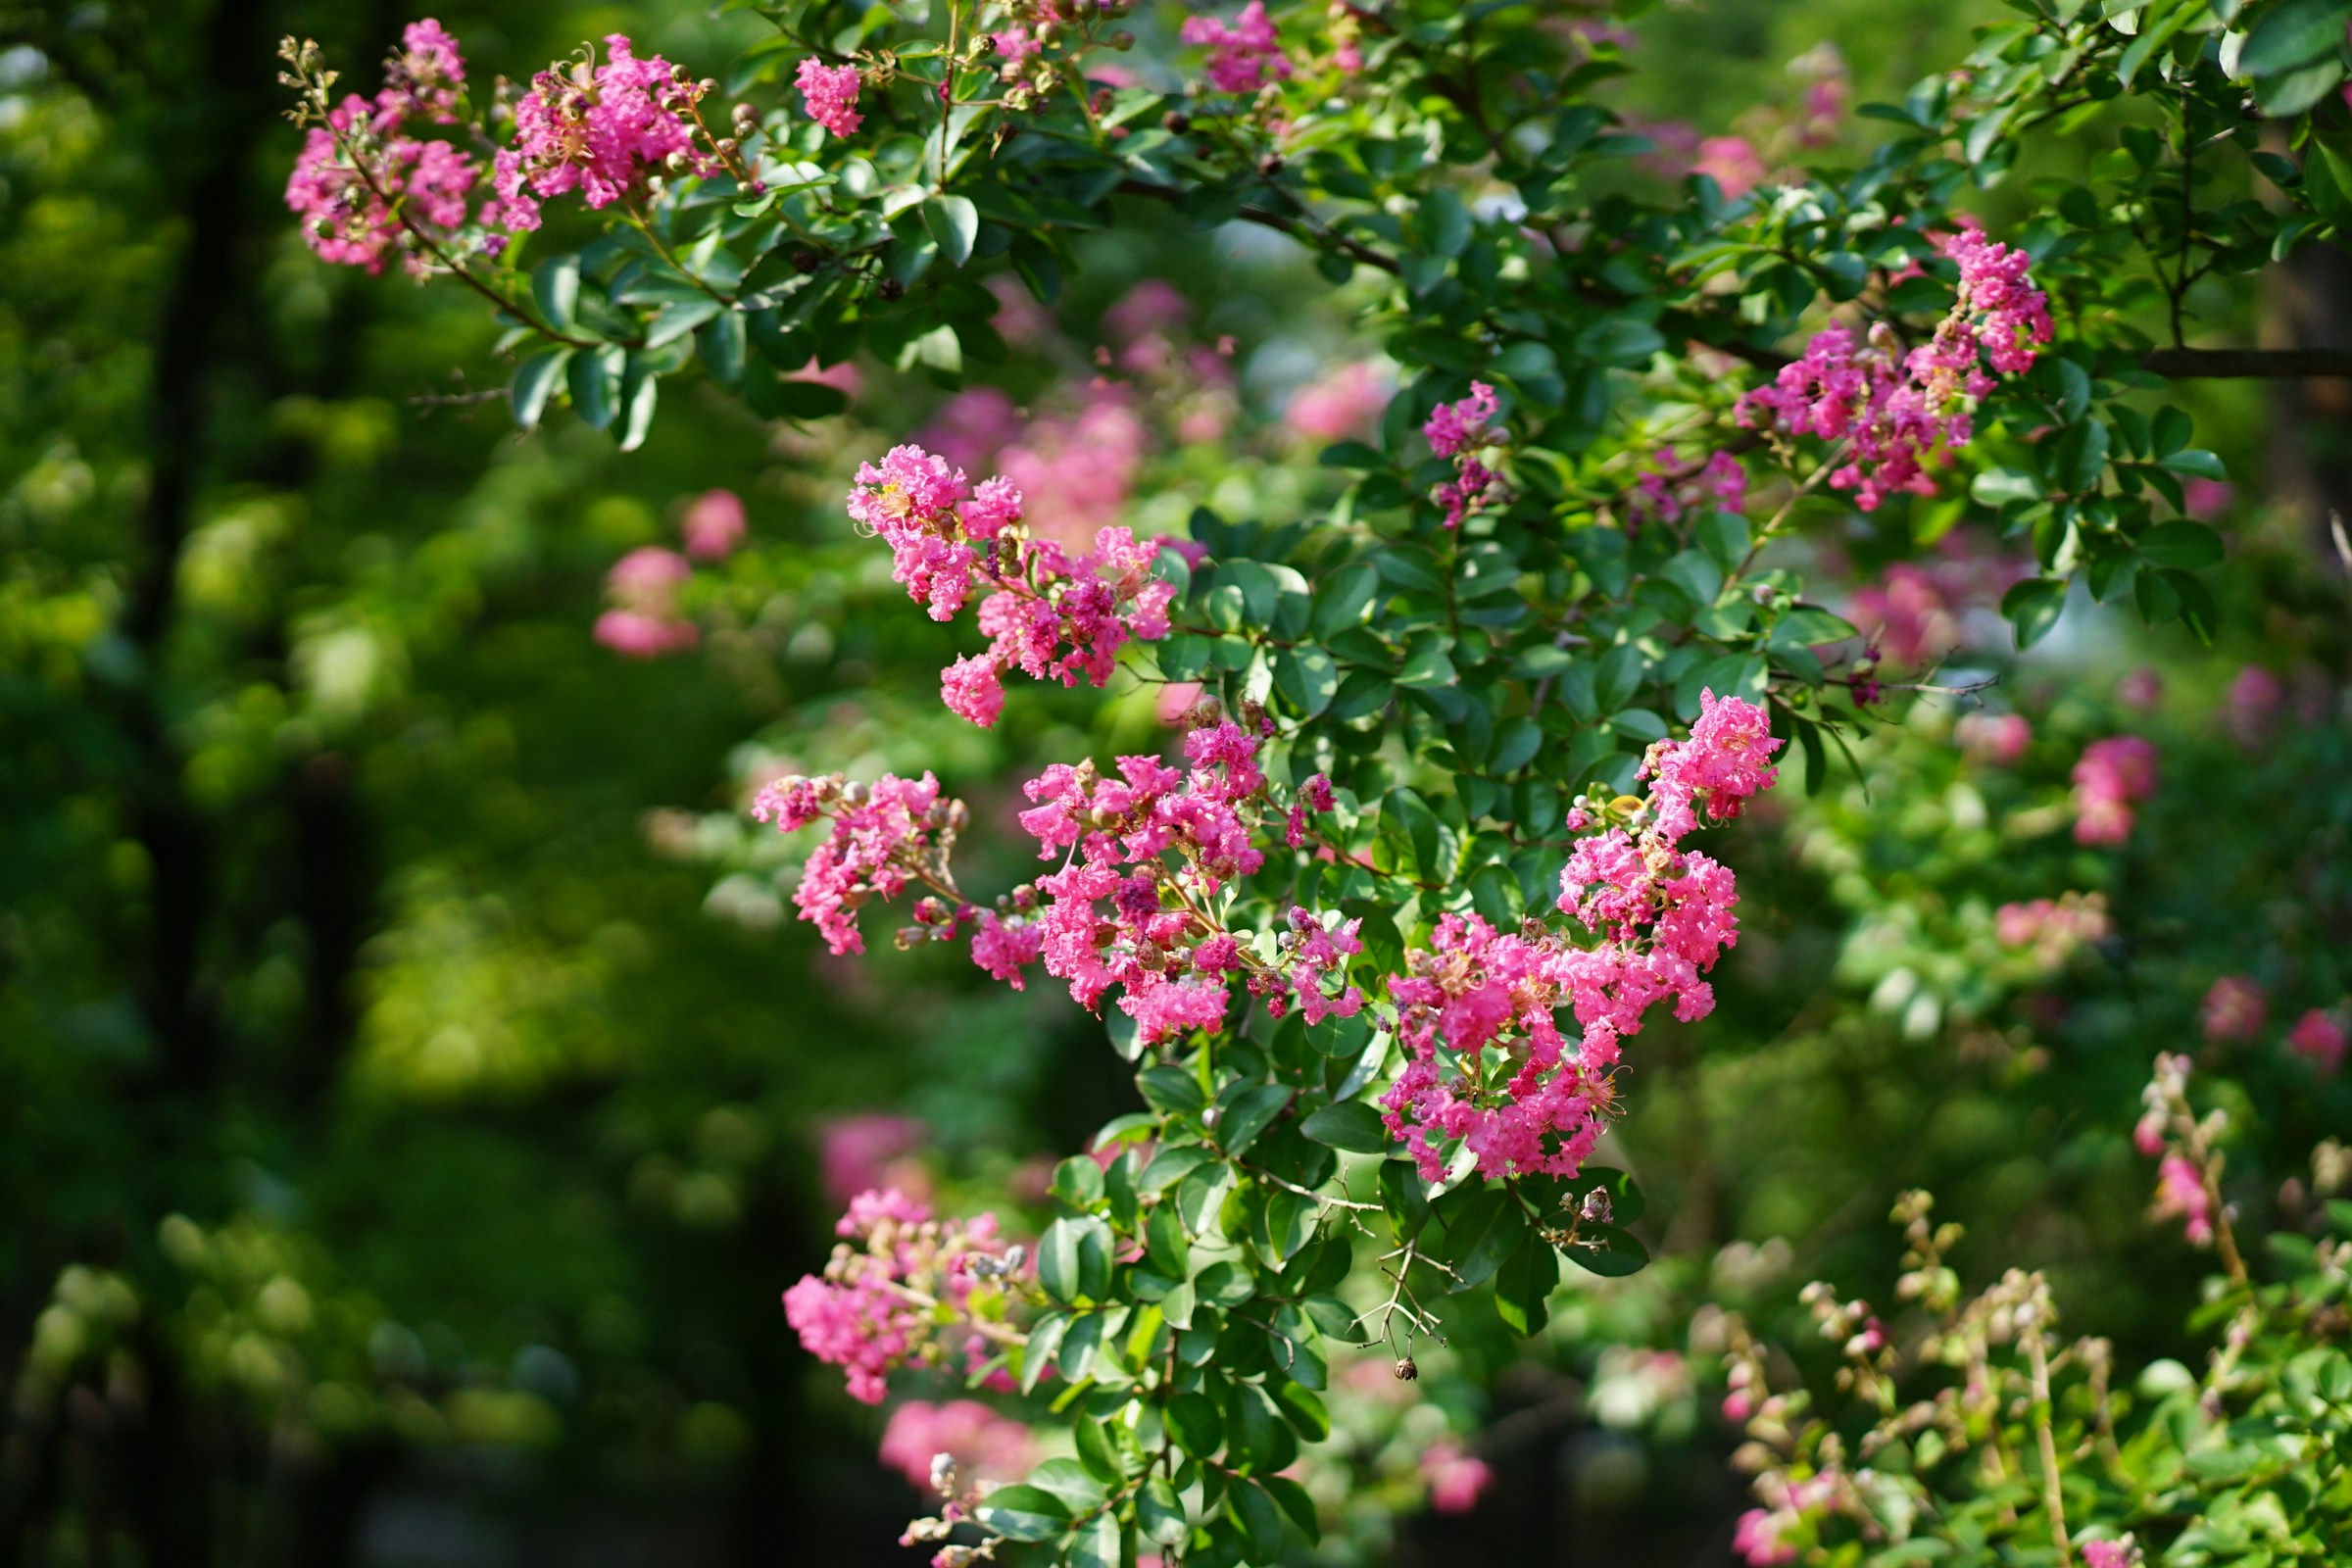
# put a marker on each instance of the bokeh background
(413, 1091)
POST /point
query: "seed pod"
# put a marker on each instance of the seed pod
(892, 289)
(1407, 1371)
(1176, 122)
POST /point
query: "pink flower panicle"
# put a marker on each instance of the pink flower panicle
(2053, 930)
(2180, 1194)
(2319, 1036)
(1898, 412)
(1143, 854)
(1456, 1477)
(1461, 430)
(644, 621)
(1048, 615)
(1668, 492)
(1245, 53)
(903, 1289)
(424, 76)
(2122, 1553)
(1997, 738)
(1660, 917)
(980, 1443)
(713, 526)
(830, 95)
(2233, 1010)
(361, 184)
(597, 129)
(2111, 777)
(885, 835)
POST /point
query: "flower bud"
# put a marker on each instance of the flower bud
(1407, 1371)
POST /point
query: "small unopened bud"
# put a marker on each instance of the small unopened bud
(1123, 40)
(1407, 1370)
(677, 163)
(1596, 1208)
(726, 146)
(1270, 165)
(707, 86)
(744, 114)
(892, 289)
(1176, 122)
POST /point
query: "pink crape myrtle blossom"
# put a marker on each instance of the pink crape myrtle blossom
(854, 1153)
(885, 835)
(2053, 929)
(2122, 1553)
(1669, 491)
(713, 526)
(1051, 617)
(1732, 162)
(1080, 469)
(1761, 1537)
(2252, 705)
(1906, 616)
(424, 76)
(983, 1444)
(903, 1290)
(2141, 688)
(1344, 406)
(600, 131)
(829, 93)
(1997, 738)
(2111, 777)
(1892, 414)
(1660, 917)
(1456, 1477)
(2180, 1194)
(2233, 1010)
(971, 427)
(644, 621)
(1245, 53)
(357, 177)
(1461, 430)
(2319, 1036)
(1152, 847)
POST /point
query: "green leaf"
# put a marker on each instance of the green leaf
(2196, 463)
(640, 386)
(674, 321)
(1613, 1253)
(1618, 677)
(1198, 1427)
(2296, 34)
(1307, 677)
(1095, 1451)
(1353, 1125)
(1524, 1283)
(1254, 1509)
(1250, 1113)
(2034, 607)
(1159, 1513)
(2082, 457)
(1420, 826)
(594, 378)
(2181, 543)
(1341, 597)
(1296, 1502)
(534, 381)
(1024, 1512)
(1078, 1182)
(955, 223)
(555, 290)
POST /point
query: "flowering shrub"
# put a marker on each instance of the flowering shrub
(1376, 935)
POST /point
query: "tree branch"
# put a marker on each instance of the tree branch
(2182, 365)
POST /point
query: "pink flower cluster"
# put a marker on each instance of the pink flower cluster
(1895, 412)
(1049, 617)
(1668, 492)
(1456, 1477)
(1762, 1535)
(885, 835)
(2233, 1010)
(904, 1288)
(1245, 53)
(2120, 1553)
(830, 95)
(2169, 1128)
(2180, 1194)
(597, 129)
(983, 1444)
(857, 1153)
(2054, 930)
(2319, 1036)
(2112, 777)
(714, 525)
(1461, 430)
(1145, 855)
(1345, 405)
(358, 176)
(643, 622)
(1997, 738)
(1660, 917)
